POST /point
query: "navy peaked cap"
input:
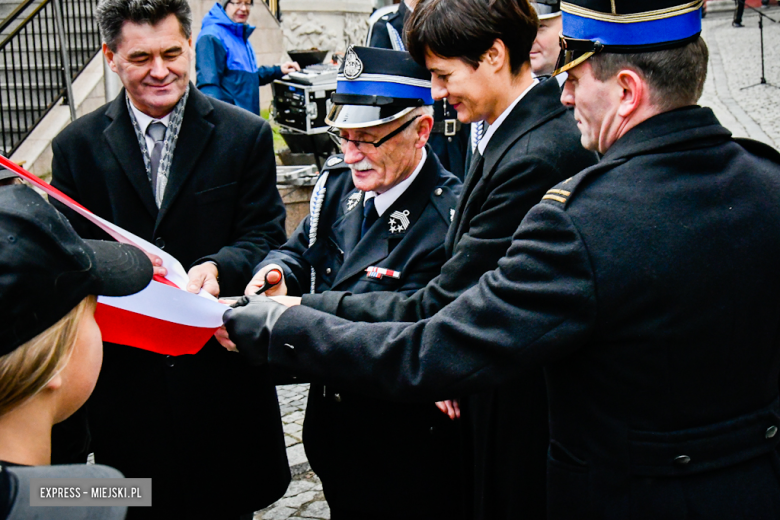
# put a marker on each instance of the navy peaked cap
(625, 26)
(376, 86)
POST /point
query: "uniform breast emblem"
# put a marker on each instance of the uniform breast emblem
(353, 200)
(353, 67)
(399, 221)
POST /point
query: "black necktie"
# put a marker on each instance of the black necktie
(369, 216)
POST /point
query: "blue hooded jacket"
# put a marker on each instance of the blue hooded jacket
(225, 63)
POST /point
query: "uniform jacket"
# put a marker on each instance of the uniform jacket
(648, 286)
(411, 445)
(225, 62)
(414, 248)
(169, 417)
(379, 35)
(537, 146)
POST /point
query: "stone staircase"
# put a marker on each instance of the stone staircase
(31, 71)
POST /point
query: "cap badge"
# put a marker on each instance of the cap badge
(354, 200)
(353, 67)
(399, 221)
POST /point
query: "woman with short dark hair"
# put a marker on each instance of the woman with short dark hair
(478, 52)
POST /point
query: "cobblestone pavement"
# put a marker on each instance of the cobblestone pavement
(735, 63)
(304, 498)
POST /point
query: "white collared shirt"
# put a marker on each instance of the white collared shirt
(144, 121)
(385, 200)
(500, 119)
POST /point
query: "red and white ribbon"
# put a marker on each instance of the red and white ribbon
(164, 317)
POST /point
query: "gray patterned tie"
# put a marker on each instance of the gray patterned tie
(156, 130)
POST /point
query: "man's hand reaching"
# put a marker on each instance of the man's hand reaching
(204, 276)
(248, 327)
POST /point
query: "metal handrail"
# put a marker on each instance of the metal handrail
(38, 61)
(15, 14)
(273, 6)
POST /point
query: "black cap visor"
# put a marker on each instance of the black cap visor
(120, 269)
(364, 116)
(574, 52)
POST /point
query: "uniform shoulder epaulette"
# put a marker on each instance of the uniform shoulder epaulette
(335, 164)
(563, 192)
(444, 200)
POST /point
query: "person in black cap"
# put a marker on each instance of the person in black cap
(479, 56)
(646, 285)
(50, 344)
(379, 215)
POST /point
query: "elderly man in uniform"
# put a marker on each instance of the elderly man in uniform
(647, 286)
(196, 177)
(378, 219)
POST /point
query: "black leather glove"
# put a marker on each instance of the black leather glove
(249, 326)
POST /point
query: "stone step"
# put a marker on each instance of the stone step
(73, 27)
(40, 48)
(39, 96)
(21, 63)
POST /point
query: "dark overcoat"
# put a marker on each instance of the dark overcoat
(537, 146)
(410, 448)
(175, 418)
(648, 287)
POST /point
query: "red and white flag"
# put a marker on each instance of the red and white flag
(163, 318)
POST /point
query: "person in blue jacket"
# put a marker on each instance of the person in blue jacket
(225, 61)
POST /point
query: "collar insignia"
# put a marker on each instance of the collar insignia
(333, 161)
(354, 200)
(353, 67)
(399, 221)
(452, 215)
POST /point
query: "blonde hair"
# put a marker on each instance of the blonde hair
(26, 371)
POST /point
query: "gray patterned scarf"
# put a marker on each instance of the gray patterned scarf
(169, 145)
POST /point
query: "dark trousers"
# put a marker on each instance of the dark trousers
(739, 10)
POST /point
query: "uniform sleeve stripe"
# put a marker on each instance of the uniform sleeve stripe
(560, 192)
(555, 198)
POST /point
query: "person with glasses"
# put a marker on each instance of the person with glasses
(379, 215)
(225, 63)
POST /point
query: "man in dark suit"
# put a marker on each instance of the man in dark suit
(647, 285)
(204, 190)
(532, 144)
(378, 220)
